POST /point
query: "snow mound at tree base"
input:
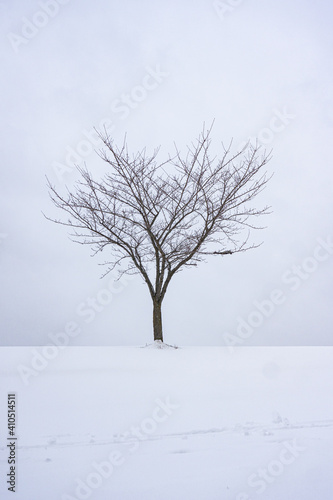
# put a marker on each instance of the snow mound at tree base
(158, 344)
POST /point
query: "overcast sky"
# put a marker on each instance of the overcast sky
(157, 71)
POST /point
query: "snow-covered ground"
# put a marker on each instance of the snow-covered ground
(193, 423)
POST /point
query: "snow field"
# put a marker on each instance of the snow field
(199, 423)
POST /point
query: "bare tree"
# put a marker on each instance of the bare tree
(158, 218)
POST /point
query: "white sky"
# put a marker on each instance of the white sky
(244, 63)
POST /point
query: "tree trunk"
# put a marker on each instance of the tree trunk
(157, 321)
